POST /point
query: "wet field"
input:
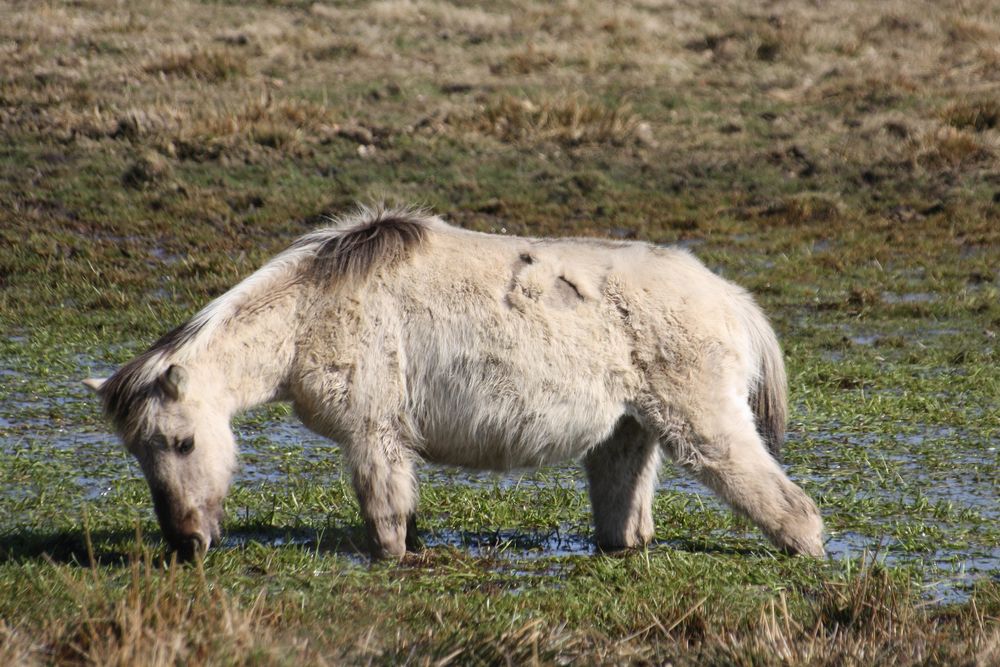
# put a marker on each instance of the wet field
(839, 160)
(918, 496)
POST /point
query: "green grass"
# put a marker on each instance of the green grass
(153, 157)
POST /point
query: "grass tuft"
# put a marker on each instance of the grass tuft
(525, 61)
(155, 614)
(288, 126)
(148, 169)
(212, 65)
(948, 147)
(979, 116)
(569, 120)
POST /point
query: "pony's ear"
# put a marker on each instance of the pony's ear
(95, 384)
(174, 382)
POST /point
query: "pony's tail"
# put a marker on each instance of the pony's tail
(769, 388)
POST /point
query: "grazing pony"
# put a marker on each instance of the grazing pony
(404, 338)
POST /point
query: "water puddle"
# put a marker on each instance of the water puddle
(955, 572)
(238, 539)
(164, 256)
(514, 545)
(893, 298)
(687, 244)
(865, 340)
(518, 556)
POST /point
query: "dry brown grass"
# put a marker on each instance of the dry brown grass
(569, 120)
(524, 61)
(17, 646)
(286, 125)
(798, 209)
(191, 70)
(211, 132)
(146, 170)
(161, 618)
(901, 637)
(210, 65)
(979, 115)
(947, 147)
(175, 616)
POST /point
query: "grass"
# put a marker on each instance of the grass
(568, 121)
(213, 65)
(979, 116)
(838, 160)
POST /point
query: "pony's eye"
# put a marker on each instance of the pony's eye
(185, 446)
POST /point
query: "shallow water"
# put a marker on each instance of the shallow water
(936, 479)
(954, 571)
(907, 297)
(513, 544)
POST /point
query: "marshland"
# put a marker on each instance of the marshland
(840, 160)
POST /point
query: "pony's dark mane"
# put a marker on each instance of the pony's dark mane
(132, 383)
(375, 239)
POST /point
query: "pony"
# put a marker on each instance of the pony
(403, 338)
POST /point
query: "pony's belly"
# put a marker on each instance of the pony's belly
(476, 453)
(525, 441)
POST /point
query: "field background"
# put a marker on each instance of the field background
(839, 159)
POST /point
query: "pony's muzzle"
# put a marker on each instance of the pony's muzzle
(189, 533)
(190, 548)
(190, 543)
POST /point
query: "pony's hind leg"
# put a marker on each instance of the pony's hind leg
(725, 452)
(622, 479)
(384, 480)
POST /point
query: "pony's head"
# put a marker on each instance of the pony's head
(182, 441)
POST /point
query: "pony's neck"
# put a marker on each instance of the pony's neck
(247, 360)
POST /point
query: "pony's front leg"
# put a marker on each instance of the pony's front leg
(621, 472)
(386, 487)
